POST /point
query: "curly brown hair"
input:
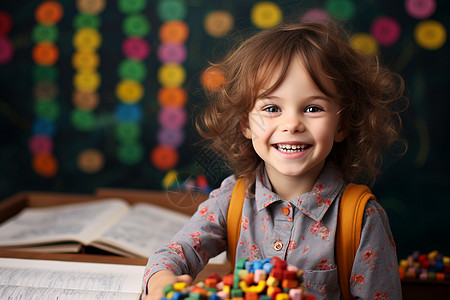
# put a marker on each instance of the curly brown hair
(370, 95)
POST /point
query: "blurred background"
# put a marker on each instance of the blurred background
(97, 93)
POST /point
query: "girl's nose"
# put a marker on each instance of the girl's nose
(292, 123)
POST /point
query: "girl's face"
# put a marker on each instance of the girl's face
(293, 128)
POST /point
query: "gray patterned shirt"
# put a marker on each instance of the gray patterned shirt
(301, 231)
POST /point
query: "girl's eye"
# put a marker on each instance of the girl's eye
(271, 109)
(313, 109)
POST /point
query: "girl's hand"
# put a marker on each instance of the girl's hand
(161, 279)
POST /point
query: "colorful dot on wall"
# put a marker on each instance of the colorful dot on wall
(171, 75)
(420, 9)
(341, 9)
(86, 41)
(212, 78)
(171, 10)
(218, 23)
(90, 161)
(49, 12)
(172, 97)
(385, 30)
(164, 157)
(175, 31)
(266, 14)
(6, 46)
(91, 7)
(130, 90)
(6, 50)
(6, 23)
(365, 43)
(316, 14)
(45, 55)
(430, 34)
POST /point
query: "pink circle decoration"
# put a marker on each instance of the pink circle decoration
(6, 50)
(40, 144)
(420, 9)
(173, 118)
(172, 53)
(316, 14)
(385, 30)
(135, 47)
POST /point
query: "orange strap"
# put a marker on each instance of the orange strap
(348, 234)
(234, 217)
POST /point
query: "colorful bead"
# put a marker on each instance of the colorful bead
(431, 266)
(250, 281)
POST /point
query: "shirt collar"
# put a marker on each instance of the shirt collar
(314, 203)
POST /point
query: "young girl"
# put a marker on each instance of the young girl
(300, 115)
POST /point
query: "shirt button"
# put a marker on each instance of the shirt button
(278, 246)
(285, 211)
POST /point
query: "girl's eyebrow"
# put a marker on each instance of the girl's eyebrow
(311, 98)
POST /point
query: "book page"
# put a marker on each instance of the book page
(80, 222)
(144, 229)
(44, 279)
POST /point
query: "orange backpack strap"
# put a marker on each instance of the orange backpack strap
(234, 217)
(348, 234)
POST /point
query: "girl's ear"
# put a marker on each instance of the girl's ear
(245, 128)
(341, 133)
(340, 136)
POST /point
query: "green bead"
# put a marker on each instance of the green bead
(167, 289)
(211, 289)
(240, 264)
(236, 293)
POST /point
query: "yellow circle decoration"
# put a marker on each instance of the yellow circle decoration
(86, 81)
(218, 23)
(85, 60)
(430, 34)
(266, 14)
(87, 39)
(171, 75)
(364, 43)
(129, 91)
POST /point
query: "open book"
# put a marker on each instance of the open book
(49, 279)
(110, 224)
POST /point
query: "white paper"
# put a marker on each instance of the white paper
(44, 279)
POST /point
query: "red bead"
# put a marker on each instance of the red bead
(216, 276)
(251, 296)
(278, 262)
(277, 273)
(228, 279)
(289, 275)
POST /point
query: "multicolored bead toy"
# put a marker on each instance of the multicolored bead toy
(431, 266)
(268, 279)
